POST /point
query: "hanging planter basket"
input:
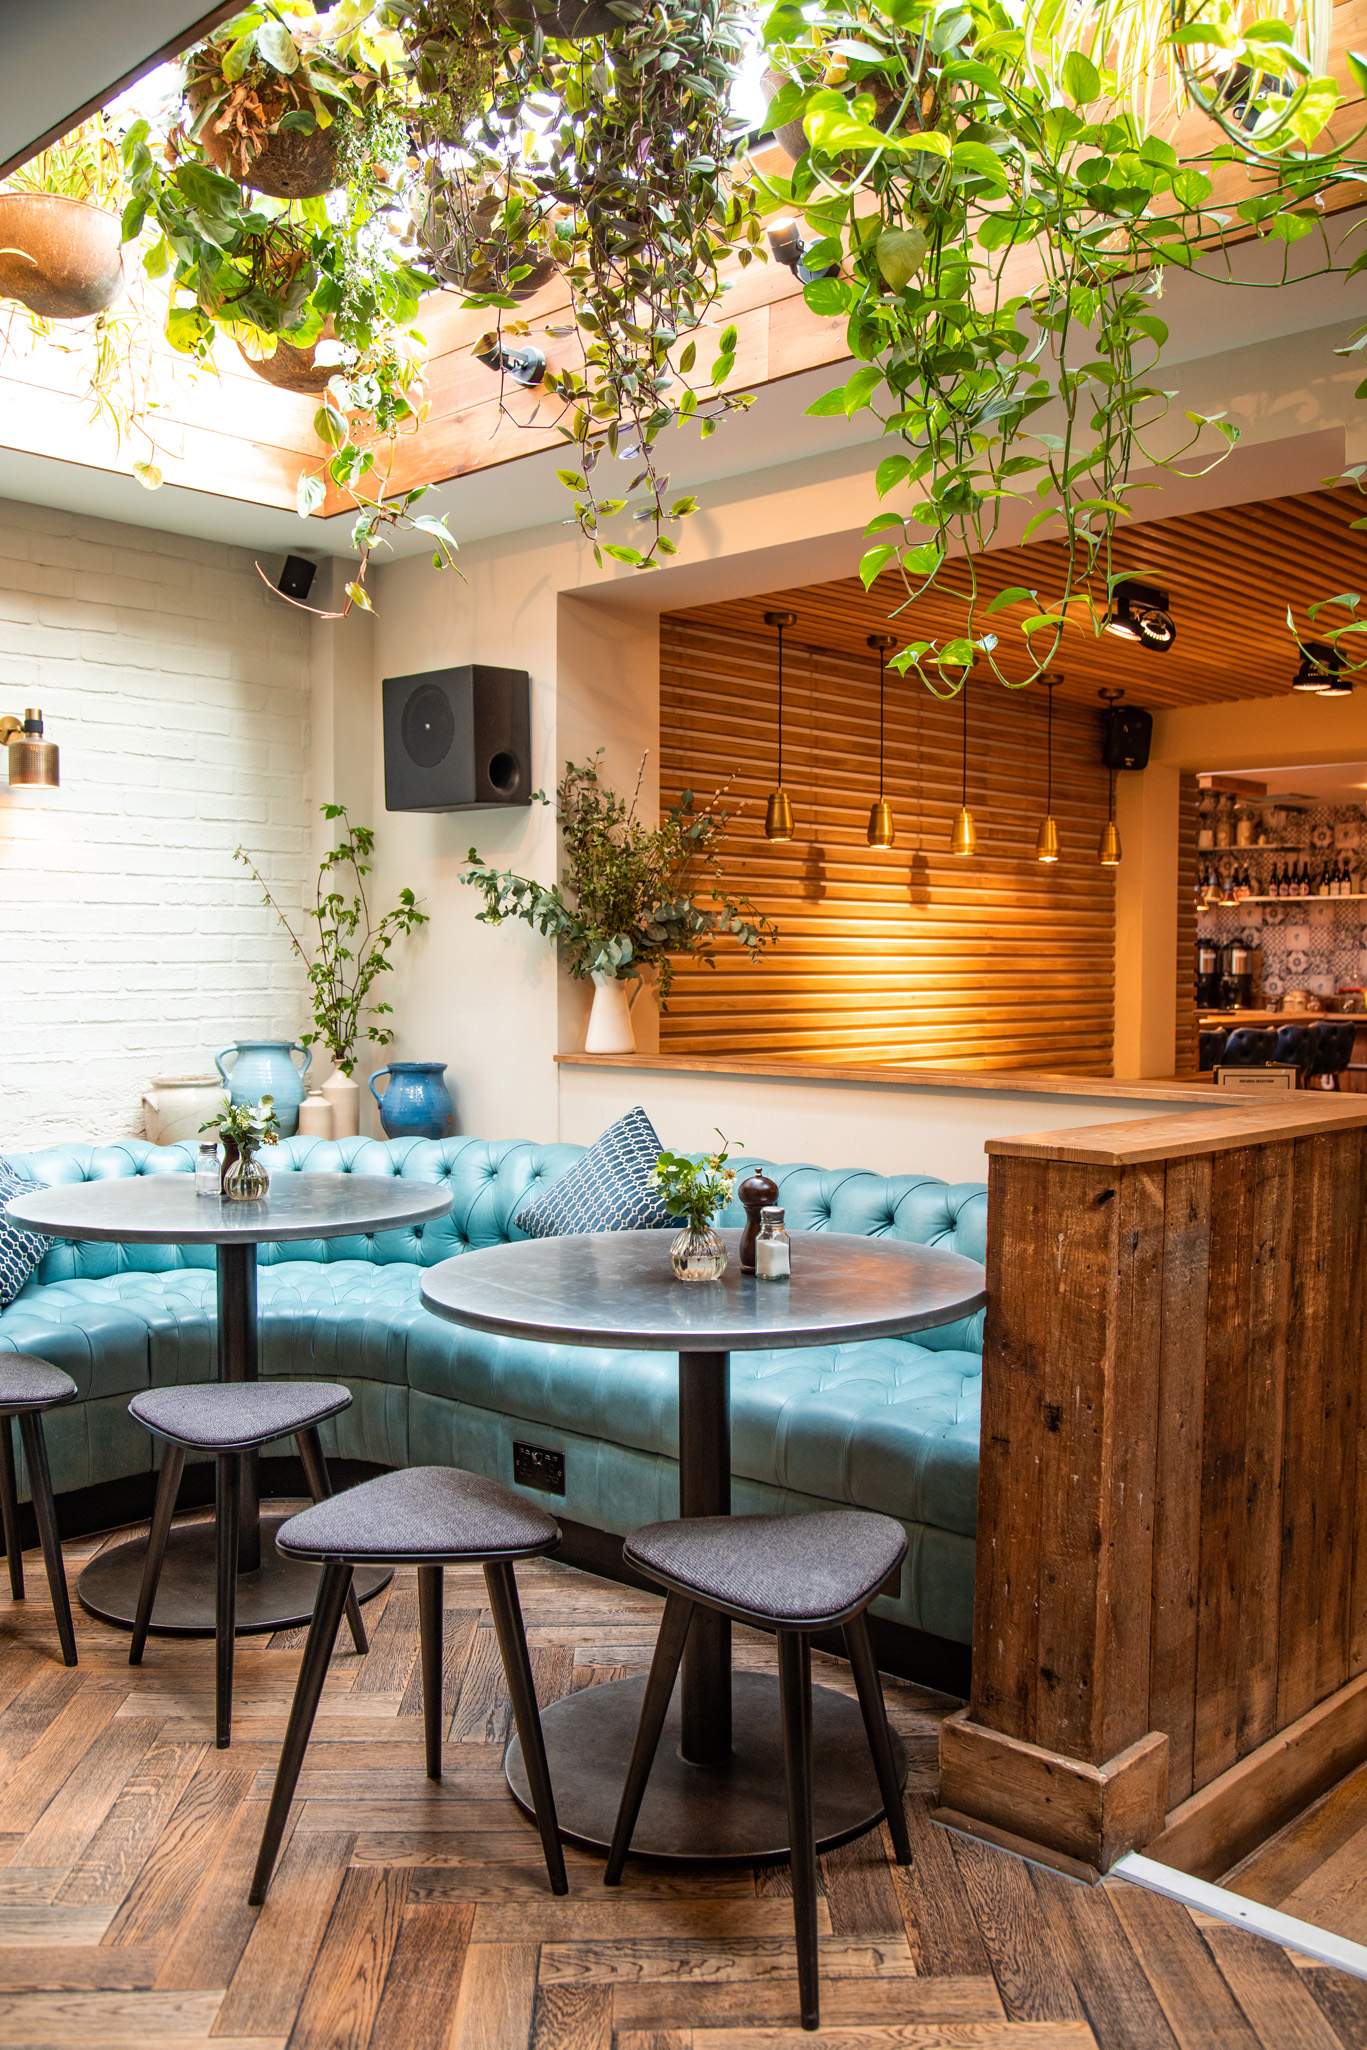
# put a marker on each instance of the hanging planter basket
(791, 137)
(62, 258)
(283, 163)
(293, 369)
(571, 20)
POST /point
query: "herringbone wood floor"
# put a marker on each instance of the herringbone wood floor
(407, 1916)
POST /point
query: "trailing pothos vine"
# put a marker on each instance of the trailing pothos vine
(998, 191)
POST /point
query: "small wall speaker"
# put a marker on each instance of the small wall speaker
(296, 578)
(457, 739)
(1126, 735)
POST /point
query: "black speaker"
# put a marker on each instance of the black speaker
(456, 739)
(1126, 735)
(296, 578)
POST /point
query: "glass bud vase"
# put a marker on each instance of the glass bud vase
(699, 1254)
(246, 1181)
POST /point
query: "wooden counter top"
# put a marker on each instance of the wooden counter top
(994, 1081)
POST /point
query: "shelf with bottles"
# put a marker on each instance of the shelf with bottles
(1238, 903)
(1226, 879)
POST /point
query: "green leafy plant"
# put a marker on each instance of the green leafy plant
(633, 898)
(245, 1125)
(998, 194)
(350, 947)
(610, 154)
(695, 1190)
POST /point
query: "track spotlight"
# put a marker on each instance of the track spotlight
(1139, 612)
(524, 366)
(788, 248)
(1321, 671)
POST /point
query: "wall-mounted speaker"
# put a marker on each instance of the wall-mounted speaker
(457, 739)
(1126, 735)
(296, 578)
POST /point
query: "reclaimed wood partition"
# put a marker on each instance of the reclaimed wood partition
(1170, 1644)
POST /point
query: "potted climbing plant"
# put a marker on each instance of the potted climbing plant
(632, 898)
(60, 235)
(348, 951)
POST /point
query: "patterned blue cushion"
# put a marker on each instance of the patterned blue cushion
(606, 1190)
(20, 1250)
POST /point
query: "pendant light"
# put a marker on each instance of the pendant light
(964, 838)
(880, 811)
(778, 812)
(1108, 847)
(1046, 840)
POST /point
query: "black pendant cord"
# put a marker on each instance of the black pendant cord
(882, 684)
(779, 631)
(1110, 795)
(1049, 750)
(963, 692)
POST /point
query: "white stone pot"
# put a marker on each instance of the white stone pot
(343, 1092)
(610, 1027)
(175, 1106)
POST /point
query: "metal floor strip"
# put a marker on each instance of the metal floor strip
(1292, 1934)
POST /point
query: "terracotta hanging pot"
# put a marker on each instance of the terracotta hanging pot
(791, 136)
(572, 20)
(294, 369)
(280, 162)
(61, 258)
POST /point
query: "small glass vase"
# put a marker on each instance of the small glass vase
(698, 1254)
(246, 1181)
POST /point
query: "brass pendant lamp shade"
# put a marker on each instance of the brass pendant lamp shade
(778, 812)
(34, 763)
(881, 832)
(1046, 840)
(1108, 846)
(963, 839)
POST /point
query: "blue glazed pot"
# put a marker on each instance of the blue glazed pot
(417, 1104)
(264, 1067)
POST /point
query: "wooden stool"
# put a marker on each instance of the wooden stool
(792, 1575)
(430, 1517)
(228, 1419)
(28, 1386)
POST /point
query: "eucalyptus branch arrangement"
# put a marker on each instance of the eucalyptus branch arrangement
(997, 192)
(634, 898)
(350, 948)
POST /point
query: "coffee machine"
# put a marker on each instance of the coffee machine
(1236, 977)
(1208, 978)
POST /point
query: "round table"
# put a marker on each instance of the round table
(273, 1593)
(717, 1789)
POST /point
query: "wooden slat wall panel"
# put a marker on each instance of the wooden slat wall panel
(1170, 1521)
(910, 955)
(1188, 1038)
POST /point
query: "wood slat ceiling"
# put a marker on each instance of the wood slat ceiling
(1230, 575)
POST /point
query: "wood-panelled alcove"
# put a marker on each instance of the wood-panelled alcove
(910, 955)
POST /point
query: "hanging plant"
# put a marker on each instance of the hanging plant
(60, 241)
(1000, 244)
(608, 154)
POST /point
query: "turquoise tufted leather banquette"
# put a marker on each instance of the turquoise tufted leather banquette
(888, 1424)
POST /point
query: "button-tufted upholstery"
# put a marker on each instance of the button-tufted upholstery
(889, 1425)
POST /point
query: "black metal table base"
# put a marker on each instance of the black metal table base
(736, 1811)
(278, 1595)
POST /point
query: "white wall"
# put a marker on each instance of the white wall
(177, 689)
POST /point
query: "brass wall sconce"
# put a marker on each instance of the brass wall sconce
(34, 763)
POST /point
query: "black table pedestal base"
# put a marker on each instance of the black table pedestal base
(733, 1812)
(277, 1596)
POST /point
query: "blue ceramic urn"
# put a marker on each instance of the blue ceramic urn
(417, 1104)
(265, 1067)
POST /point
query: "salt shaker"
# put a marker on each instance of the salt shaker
(757, 1190)
(206, 1169)
(773, 1247)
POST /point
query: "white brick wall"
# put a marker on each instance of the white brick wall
(131, 944)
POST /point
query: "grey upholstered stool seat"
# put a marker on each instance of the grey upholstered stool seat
(809, 1570)
(231, 1420)
(420, 1512)
(234, 1416)
(28, 1386)
(430, 1517)
(794, 1575)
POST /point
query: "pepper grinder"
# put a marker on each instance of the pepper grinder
(755, 1193)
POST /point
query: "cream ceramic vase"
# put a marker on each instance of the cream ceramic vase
(175, 1106)
(610, 1027)
(343, 1092)
(315, 1116)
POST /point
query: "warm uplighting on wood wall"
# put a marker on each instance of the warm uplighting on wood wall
(903, 953)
